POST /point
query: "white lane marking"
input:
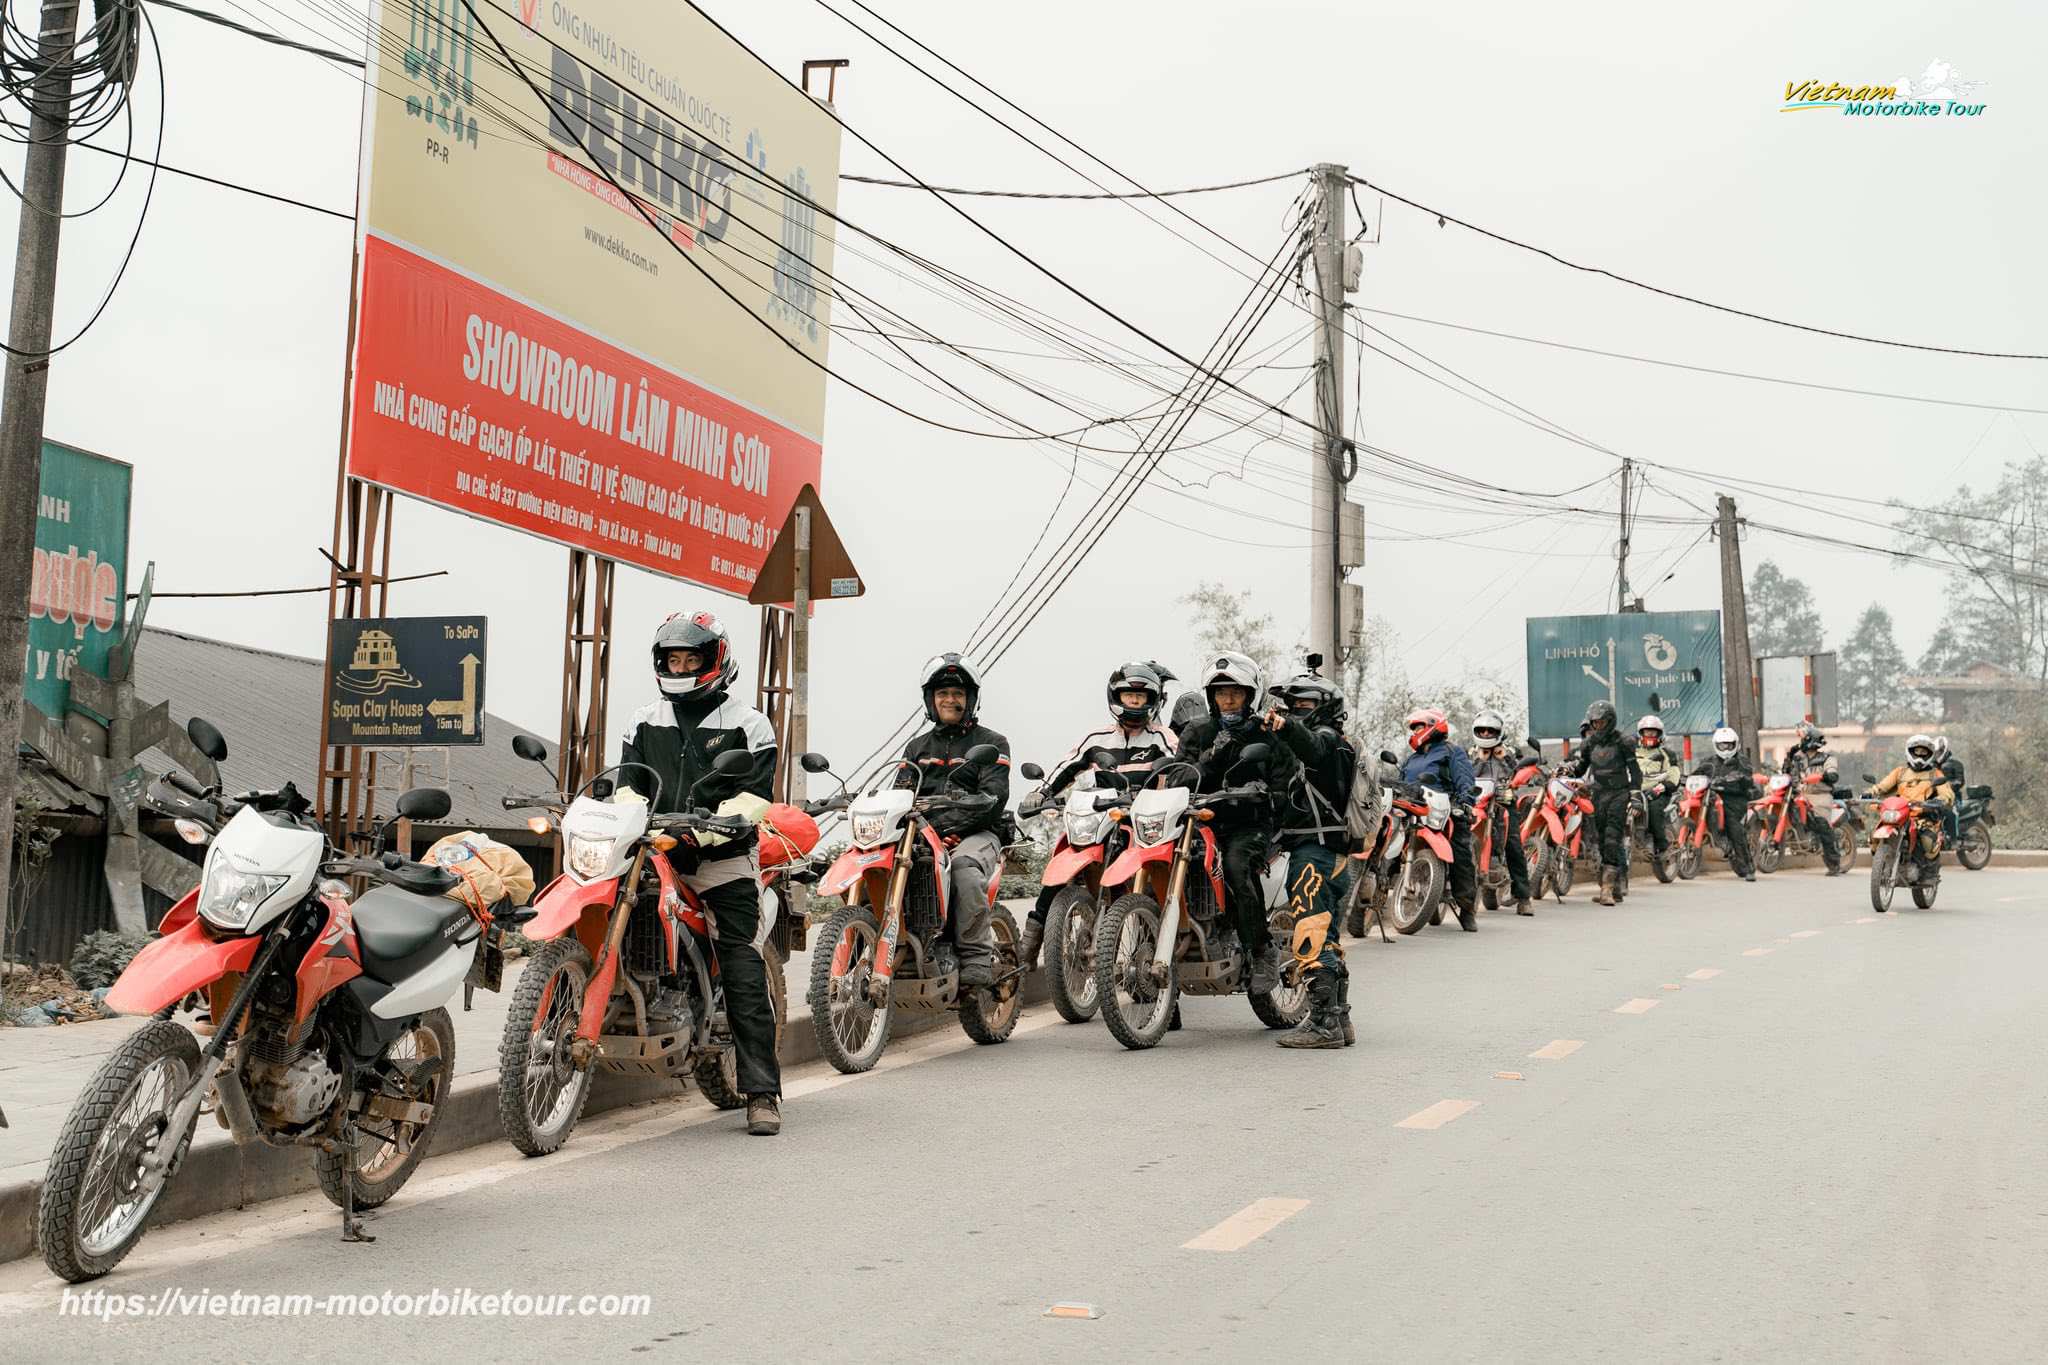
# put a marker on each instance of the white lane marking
(1246, 1226)
(25, 1286)
(1438, 1114)
(1758, 952)
(1561, 1047)
(1805, 933)
(1637, 1006)
(1867, 919)
(1703, 974)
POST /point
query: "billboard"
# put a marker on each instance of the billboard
(1796, 687)
(78, 585)
(1666, 663)
(407, 681)
(529, 348)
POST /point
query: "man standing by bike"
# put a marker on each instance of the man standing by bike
(1660, 770)
(1434, 762)
(1491, 758)
(1809, 754)
(679, 737)
(1214, 745)
(1607, 759)
(1134, 740)
(952, 702)
(1727, 767)
(1307, 717)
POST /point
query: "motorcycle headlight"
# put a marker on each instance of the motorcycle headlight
(1436, 819)
(590, 858)
(231, 897)
(867, 828)
(1085, 828)
(1892, 817)
(1148, 829)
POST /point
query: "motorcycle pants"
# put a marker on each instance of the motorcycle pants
(1660, 815)
(1244, 858)
(1610, 823)
(973, 861)
(731, 890)
(1464, 870)
(1507, 846)
(1043, 906)
(1824, 834)
(1317, 880)
(1735, 836)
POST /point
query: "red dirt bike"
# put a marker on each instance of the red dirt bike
(1901, 827)
(614, 924)
(1702, 819)
(1411, 857)
(1170, 933)
(1776, 823)
(1553, 832)
(329, 1030)
(886, 948)
(1091, 834)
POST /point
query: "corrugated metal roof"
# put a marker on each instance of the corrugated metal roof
(50, 790)
(268, 707)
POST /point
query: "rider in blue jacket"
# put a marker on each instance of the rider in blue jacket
(1435, 762)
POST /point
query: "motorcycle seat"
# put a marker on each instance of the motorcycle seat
(399, 931)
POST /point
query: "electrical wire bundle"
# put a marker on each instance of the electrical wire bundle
(96, 67)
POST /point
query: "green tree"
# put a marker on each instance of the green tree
(1379, 694)
(1998, 540)
(1782, 616)
(1946, 654)
(1869, 669)
(1224, 620)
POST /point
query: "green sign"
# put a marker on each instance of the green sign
(1662, 663)
(76, 592)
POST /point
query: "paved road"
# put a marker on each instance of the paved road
(1769, 1126)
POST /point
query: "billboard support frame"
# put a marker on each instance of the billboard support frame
(586, 667)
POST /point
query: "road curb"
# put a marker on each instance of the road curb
(218, 1175)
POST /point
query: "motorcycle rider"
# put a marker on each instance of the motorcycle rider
(1434, 762)
(1660, 771)
(1809, 754)
(952, 702)
(678, 737)
(1951, 768)
(1919, 778)
(1230, 684)
(1491, 758)
(1307, 717)
(1607, 758)
(1727, 767)
(1134, 739)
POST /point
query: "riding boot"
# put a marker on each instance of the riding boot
(1522, 907)
(1344, 1009)
(1468, 918)
(1027, 948)
(1605, 895)
(1323, 1025)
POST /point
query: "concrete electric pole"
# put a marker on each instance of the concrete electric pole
(1326, 489)
(1621, 547)
(27, 384)
(1738, 673)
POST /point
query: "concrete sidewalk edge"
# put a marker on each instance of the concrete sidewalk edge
(218, 1175)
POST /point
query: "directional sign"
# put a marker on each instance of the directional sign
(1664, 663)
(407, 682)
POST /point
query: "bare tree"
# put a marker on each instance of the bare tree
(1998, 542)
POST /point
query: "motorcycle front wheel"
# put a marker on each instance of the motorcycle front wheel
(1884, 866)
(1418, 890)
(541, 1093)
(1126, 940)
(1689, 862)
(1974, 849)
(96, 1197)
(1768, 853)
(1070, 954)
(989, 1013)
(852, 1030)
(385, 1157)
(1563, 867)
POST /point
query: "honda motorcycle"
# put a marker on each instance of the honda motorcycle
(1412, 856)
(1490, 861)
(1903, 826)
(1171, 932)
(329, 1030)
(615, 929)
(1974, 819)
(887, 949)
(1639, 834)
(1702, 820)
(1553, 833)
(1091, 832)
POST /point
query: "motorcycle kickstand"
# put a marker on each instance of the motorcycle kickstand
(352, 1229)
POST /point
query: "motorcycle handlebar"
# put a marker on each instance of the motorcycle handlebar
(516, 802)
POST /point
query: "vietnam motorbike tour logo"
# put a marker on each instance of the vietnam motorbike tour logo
(1939, 91)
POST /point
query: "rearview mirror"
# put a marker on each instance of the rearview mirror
(529, 748)
(1387, 757)
(732, 761)
(425, 803)
(981, 755)
(1867, 777)
(1253, 754)
(1031, 772)
(206, 739)
(814, 763)
(1101, 758)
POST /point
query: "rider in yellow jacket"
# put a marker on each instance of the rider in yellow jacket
(1918, 779)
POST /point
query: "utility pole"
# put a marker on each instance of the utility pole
(27, 385)
(1738, 673)
(1326, 488)
(1621, 547)
(800, 657)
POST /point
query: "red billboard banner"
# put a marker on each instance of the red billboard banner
(490, 407)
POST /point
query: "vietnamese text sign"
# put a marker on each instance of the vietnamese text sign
(77, 586)
(1666, 663)
(407, 681)
(530, 349)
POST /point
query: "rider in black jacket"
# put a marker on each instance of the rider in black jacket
(1307, 717)
(952, 697)
(1810, 755)
(1607, 757)
(1735, 783)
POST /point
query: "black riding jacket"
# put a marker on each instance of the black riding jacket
(680, 740)
(930, 759)
(1310, 807)
(1725, 771)
(1609, 760)
(1213, 751)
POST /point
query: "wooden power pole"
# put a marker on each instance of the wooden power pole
(1738, 672)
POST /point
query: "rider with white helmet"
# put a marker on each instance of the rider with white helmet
(1808, 755)
(1735, 786)
(1495, 760)
(1660, 778)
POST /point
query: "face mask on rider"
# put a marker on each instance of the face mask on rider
(1233, 706)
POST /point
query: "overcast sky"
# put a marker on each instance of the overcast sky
(1646, 141)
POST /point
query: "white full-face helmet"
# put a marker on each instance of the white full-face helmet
(1726, 742)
